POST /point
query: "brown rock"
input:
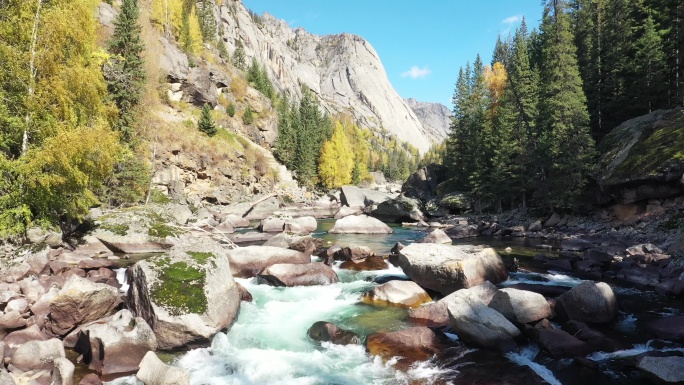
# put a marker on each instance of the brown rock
(90, 379)
(244, 294)
(93, 264)
(397, 293)
(560, 344)
(329, 332)
(413, 344)
(352, 253)
(374, 262)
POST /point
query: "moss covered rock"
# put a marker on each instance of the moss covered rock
(186, 295)
(643, 158)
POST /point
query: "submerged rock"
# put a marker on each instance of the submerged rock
(446, 268)
(328, 332)
(186, 295)
(397, 293)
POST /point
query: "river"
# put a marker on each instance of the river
(268, 343)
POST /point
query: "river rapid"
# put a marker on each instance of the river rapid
(268, 343)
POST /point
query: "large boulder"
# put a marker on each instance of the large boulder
(135, 231)
(186, 295)
(80, 301)
(664, 369)
(328, 332)
(410, 345)
(399, 209)
(247, 262)
(446, 268)
(154, 372)
(437, 313)
(520, 306)
(397, 293)
(353, 197)
(642, 158)
(292, 274)
(668, 328)
(37, 354)
(591, 302)
(294, 241)
(116, 345)
(561, 344)
(422, 184)
(477, 324)
(360, 224)
(373, 262)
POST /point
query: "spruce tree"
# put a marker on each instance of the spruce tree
(239, 55)
(649, 63)
(125, 73)
(567, 148)
(206, 122)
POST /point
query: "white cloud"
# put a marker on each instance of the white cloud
(512, 19)
(416, 72)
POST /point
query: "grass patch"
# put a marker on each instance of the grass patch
(200, 256)
(159, 197)
(120, 229)
(159, 227)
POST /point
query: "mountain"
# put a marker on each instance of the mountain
(435, 117)
(344, 71)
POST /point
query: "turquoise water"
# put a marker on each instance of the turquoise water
(379, 243)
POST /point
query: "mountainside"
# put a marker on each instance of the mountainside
(435, 117)
(344, 71)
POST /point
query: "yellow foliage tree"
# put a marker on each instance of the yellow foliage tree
(495, 79)
(336, 162)
(193, 38)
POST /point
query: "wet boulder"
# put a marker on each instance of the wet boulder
(397, 293)
(477, 324)
(154, 372)
(80, 301)
(291, 274)
(446, 268)
(410, 345)
(247, 262)
(520, 306)
(436, 236)
(561, 344)
(328, 332)
(592, 302)
(352, 253)
(663, 369)
(360, 224)
(437, 313)
(186, 295)
(373, 262)
(115, 345)
(668, 328)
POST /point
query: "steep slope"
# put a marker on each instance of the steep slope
(344, 71)
(435, 117)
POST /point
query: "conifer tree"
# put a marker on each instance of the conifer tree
(206, 122)
(125, 73)
(650, 68)
(239, 55)
(567, 148)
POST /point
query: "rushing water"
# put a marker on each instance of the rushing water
(268, 343)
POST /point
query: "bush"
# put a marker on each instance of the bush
(231, 109)
(248, 116)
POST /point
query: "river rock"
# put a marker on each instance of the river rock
(460, 231)
(437, 313)
(477, 324)
(186, 295)
(63, 372)
(398, 210)
(413, 344)
(360, 224)
(80, 301)
(397, 293)
(422, 184)
(668, 328)
(19, 337)
(446, 268)
(521, 306)
(154, 372)
(12, 320)
(560, 344)
(245, 295)
(294, 241)
(115, 345)
(328, 332)
(6, 378)
(290, 274)
(346, 211)
(37, 354)
(309, 223)
(352, 197)
(234, 221)
(535, 226)
(436, 236)
(352, 253)
(665, 369)
(374, 262)
(592, 302)
(263, 209)
(90, 379)
(247, 262)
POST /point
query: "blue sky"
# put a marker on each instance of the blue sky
(422, 44)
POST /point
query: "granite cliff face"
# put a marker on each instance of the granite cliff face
(344, 71)
(435, 117)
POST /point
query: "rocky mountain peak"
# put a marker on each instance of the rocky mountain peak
(435, 117)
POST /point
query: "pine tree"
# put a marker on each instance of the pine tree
(125, 73)
(207, 20)
(567, 148)
(206, 122)
(248, 116)
(286, 142)
(649, 63)
(239, 55)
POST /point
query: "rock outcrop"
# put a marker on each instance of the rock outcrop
(436, 117)
(360, 224)
(592, 302)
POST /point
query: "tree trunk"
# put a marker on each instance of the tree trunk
(32, 76)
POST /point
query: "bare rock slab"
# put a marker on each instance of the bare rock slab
(360, 224)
